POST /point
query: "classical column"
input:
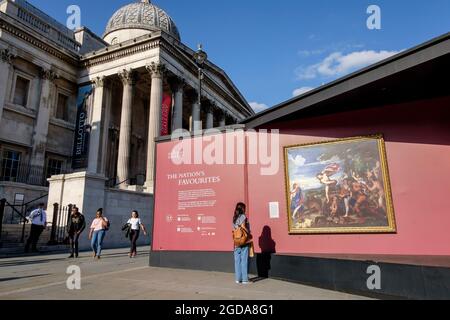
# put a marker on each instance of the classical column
(128, 78)
(222, 122)
(106, 119)
(177, 86)
(209, 116)
(41, 125)
(5, 66)
(156, 71)
(219, 114)
(95, 145)
(196, 116)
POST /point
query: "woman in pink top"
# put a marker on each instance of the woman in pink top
(97, 233)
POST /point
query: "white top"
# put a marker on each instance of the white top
(135, 223)
(38, 217)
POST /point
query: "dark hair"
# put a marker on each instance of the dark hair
(41, 204)
(100, 211)
(135, 211)
(240, 210)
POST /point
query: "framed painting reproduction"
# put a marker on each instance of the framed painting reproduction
(339, 186)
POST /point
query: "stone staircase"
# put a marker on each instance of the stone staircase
(11, 244)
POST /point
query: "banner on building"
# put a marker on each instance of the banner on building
(166, 114)
(81, 143)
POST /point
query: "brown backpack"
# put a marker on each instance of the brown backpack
(240, 237)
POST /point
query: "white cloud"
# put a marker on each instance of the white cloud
(258, 107)
(337, 63)
(300, 91)
(299, 161)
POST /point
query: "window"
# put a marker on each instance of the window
(54, 167)
(62, 109)
(21, 91)
(10, 165)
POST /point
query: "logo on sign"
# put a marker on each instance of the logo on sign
(169, 218)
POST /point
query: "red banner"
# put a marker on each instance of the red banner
(165, 114)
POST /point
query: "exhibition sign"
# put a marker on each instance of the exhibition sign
(194, 203)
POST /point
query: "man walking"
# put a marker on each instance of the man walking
(38, 220)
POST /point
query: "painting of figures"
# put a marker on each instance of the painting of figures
(339, 187)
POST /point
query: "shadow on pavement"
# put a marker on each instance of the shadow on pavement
(24, 277)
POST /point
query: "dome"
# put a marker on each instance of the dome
(139, 17)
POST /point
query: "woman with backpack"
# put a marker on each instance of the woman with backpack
(135, 226)
(97, 233)
(242, 243)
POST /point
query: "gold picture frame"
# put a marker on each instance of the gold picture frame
(339, 187)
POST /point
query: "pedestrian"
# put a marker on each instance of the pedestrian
(135, 228)
(242, 243)
(77, 224)
(38, 220)
(97, 233)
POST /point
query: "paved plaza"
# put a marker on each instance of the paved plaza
(118, 277)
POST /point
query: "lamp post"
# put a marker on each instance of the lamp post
(200, 57)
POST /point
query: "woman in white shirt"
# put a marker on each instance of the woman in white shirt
(135, 228)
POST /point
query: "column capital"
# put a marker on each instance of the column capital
(48, 74)
(177, 83)
(128, 76)
(156, 70)
(100, 82)
(6, 56)
(219, 112)
(210, 107)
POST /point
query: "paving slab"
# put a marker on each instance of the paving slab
(116, 276)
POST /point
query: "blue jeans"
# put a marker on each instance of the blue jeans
(97, 241)
(241, 263)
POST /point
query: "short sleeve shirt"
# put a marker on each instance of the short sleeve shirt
(135, 223)
(240, 220)
(97, 224)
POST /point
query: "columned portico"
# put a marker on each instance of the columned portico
(156, 71)
(128, 78)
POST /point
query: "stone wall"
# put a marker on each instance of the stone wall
(88, 192)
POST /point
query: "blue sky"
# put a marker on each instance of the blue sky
(275, 49)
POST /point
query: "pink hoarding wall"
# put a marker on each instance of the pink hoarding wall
(418, 153)
(193, 203)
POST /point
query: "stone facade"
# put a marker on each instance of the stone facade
(144, 84)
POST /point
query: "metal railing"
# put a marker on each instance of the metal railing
(18, 214)
(137, 180)
(26, 174)
(60, 223)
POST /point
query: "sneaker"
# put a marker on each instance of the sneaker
(238, 282)
(245, 282)
(71, 256)
(98, 258)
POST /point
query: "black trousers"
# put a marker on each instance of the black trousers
(33, 239)
(74, 237)
(134, 236)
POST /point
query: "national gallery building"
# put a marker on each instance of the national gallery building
(74, 104)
